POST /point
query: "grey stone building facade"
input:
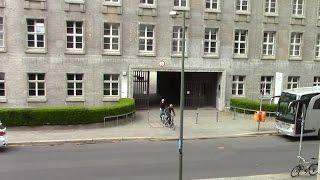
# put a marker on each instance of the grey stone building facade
(93, 52)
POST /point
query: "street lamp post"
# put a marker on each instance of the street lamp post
(182, 95)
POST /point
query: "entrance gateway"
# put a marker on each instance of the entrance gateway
(202, 89)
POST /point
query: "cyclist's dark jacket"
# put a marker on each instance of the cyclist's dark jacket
(170, 110)
(162, 105)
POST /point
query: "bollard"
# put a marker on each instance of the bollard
(148, 115)
(217, 116)
(234, 114)
(197, 115)
(117, 121)
(104, 122)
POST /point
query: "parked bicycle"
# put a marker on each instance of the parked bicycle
(305, 166)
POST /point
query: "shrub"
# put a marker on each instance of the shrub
(252, 104)
(63, 115)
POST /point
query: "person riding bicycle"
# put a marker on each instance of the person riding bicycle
(162, 107)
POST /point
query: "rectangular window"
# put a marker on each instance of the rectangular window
(212, 4)
(36, 84)
(112, 1)
(36, 33)
(242, 5)
(111, 37)
(210, 41)
(75, 35)
(177, 40)
(238, 85)
(1, 32)
(316, 81)
(295, 44)
(240, 42)
(180, 3)
(293, 82)
(268, 43)
(297, 7)
(2, 85)
(75, 84)
(147, 2)
(111, 85)
(318, 46)
(266, 85)
(146, 38)
(270, 6)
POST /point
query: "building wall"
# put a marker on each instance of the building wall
(16, 62)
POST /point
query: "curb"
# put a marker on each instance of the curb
(122, 139)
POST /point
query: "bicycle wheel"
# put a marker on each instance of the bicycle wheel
(313, 169)
(296, 171)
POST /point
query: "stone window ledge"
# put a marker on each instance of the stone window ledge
(36, 51)
(74, 52)
(268, 58)
(271, 14)
(3, 99)
(110, 98)
(178, 8)
(247, 13)
(3, 50)
(2, 3)
(112, 4)
(75, 99)
(298, 16)
(212, 10)
(178, 55)
(147, 54)
(211, 56)
(242, 96)
(75, 1)
(144, 6)
(317, 59)
(292, 58)
(236, 56)
(111, 53)
(37, 99)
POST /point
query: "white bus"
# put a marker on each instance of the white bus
(293, 106)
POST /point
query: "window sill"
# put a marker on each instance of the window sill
(3, 50)
(317, 59)
(178, 8)
(178, 56)
(36, 51)
(37, 99)
(245, 56)
(298, 17)
(111, 53)
(147, 54)
(212, 10)
(211, 56)
(3, 99)
(238, 96)
(295, 58)
(110, 98)
(75, 52)
(75, 99)
(112, 4)
(271, 14)
(268, 58)
(144, 6)
(75, 1)
(243, 13)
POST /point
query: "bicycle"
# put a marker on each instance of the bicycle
(305, 166)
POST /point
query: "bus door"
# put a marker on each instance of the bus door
(313, 114)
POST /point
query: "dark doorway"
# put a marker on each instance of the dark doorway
(200, 88)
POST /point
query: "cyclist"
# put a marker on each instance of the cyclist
(162, 107)
(170, 112)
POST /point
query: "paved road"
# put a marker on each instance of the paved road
(152, 160)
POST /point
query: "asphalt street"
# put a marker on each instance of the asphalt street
(158, 160)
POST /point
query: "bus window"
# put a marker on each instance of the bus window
(316, 104)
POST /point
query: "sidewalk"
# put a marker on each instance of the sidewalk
(146, 127)
(268, 177)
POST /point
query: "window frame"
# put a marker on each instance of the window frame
(119, 36)
(36, 34)
(294, 11)
(269, 7)
(317, 47)
(239, 41)
(146, 4)
(210, 40)
(111, 82)
(291, 82)
(211, 2)
(237, 82)
(111, 3)
(74, 36)
(74, 81)
(241, 11)
(267, 44)
(294, 45)
(264, 83)
(316, 81)
(178, 39)
(36, 82)
(4, 85)
(2, 48)
(146, 38)
(179, 7)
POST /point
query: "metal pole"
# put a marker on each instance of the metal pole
(197, 116)
(301, 132)
(217, 117)
(182, 97)
(318, 176)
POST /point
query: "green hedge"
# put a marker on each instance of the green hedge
(63, 115)
(252, 104)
